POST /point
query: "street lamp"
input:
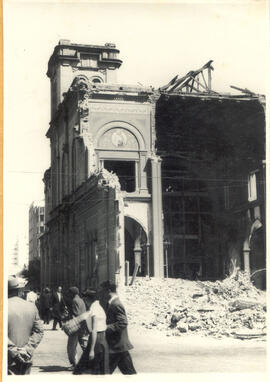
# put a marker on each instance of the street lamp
(166, 244)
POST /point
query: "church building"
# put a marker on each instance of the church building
(152, 182)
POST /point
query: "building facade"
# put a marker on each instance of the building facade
(142, 178)
(36, 229)
(97, 220)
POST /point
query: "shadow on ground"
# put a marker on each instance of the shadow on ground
(52, 369)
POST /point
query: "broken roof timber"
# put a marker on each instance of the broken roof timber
(185, 86)
(245, 91)
(178, 84)
(216, 96)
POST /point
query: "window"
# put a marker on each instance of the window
(88, 61)
(125, 170)
(252, 187)
(96, 80)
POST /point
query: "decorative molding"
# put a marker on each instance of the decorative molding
(84, 107)
(80, 83)
(118, 109)
(120, 138)
(120, 125)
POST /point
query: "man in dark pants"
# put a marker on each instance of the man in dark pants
(58, 306)
(116, 332)
(77, 308)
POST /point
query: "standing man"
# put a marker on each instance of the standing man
(45, 305)
(25, 330)
(116, 332)
(58, 306)
(76, 309)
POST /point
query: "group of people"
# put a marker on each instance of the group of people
(102, 330)
(52, 305)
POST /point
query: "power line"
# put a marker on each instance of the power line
(148, 177)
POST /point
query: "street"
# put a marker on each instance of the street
(155, 353)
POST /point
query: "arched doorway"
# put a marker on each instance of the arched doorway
(135, 238)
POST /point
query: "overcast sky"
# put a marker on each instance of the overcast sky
(156, 42)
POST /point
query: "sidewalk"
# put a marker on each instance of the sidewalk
(155, 353)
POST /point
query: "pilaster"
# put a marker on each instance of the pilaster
(157, 217)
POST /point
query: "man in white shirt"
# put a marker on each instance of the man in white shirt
(95, 358)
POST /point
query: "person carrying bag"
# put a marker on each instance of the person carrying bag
(95, 358)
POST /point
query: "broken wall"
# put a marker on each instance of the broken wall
(84, 237)
(215, 141)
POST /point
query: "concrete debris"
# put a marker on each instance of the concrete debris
(246, 335)
(182, 307)
(107, 179)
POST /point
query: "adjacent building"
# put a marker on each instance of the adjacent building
(36, 229)
(13, 260)
(162, 180)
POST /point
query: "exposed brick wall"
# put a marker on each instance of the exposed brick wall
(85, 228)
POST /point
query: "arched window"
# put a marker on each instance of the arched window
(96, 80)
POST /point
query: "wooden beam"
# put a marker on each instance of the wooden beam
(209, 78)
(192, 84)
(204, 79)
(246, 91)
(200, 84)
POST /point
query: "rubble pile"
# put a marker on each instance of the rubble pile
(232, 307)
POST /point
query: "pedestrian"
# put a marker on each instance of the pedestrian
(37, 302)
(76, 309)
(46, 305)
(58, 307)
(25, 330)
(95, 358)
(116, 332)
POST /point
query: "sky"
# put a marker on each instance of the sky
(156, 42)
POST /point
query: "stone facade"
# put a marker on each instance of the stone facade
(96, 220)
(134, 169)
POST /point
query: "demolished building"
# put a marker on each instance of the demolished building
(169, 181)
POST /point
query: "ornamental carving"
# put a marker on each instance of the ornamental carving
(118, 109)
(80, 83)
(118, 138)
(83, 107)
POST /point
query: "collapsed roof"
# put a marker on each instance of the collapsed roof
(199, 82)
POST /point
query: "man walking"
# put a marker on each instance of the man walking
(58, 306)
(76, 309)
(116, 332)
(45, 305)
(25, 330)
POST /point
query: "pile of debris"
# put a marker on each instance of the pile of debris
(232, 307)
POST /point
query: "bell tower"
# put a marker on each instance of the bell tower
(99, 63)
